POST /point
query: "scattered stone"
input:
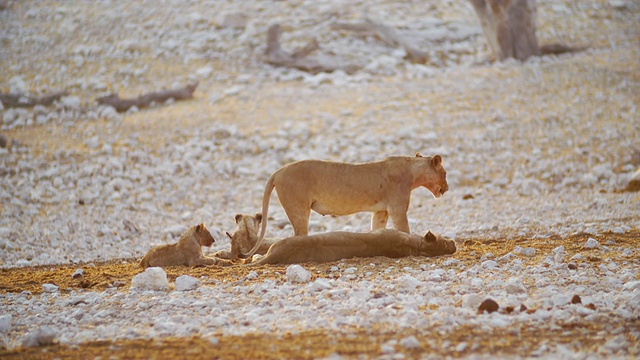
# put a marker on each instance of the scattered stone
(50, 288)
(515, 286)
(78, 274)
(298, 274)
(153, 278)
(41, 337)
(5, 323)
(591, 243)
(576, 299)
(410, 343)
(489, 306)
(187, 283)
(527, 251)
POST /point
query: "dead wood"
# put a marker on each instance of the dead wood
(22, 101)
(510, 29)
(275, 55)
(143, 101)
(387, 35)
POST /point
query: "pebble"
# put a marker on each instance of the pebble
(5, 323)
(591, 243)
(187, 283)
(153, 278)
(298, 274)
(50, 288)
(42, 336)
(489, 306)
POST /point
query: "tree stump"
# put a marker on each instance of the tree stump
(509, 26)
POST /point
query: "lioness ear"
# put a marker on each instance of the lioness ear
(229, 235)
(436, 160)
(200, 227)
(418, 154)
(430, 236)
(259, 217)
(238, 218)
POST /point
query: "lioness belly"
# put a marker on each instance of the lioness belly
(346, 206)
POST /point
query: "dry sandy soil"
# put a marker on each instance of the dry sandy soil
(537, 155)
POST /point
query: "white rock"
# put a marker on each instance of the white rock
(489, 264)
(72, 102)
(527, 251)
(471, 301)
(50, 288)
(515, 286)
(320, 284)
(632, 285)
(205, 71)
(5, 323)
(42, 336)
(410, 343)
(186, 283)
(252, 275)
(591, 243)
(93, 142)
(408, 283)
(297, 274)
(153, 278)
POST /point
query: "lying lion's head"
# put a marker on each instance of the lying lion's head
(246, 233)
(434, 245)
(203, 235)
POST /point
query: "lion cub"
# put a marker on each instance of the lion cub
(245, 237)
(187, 251)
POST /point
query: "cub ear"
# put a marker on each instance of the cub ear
(229, 235)
(238, 218)
(436, 160)
(418, 154)
(430, 237)
(200, 227)
(259, 217)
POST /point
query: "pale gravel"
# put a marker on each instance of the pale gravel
(537, 161)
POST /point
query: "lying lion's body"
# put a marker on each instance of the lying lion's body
(245, 237)
(187, 251)
(334, 188)
(333, 246)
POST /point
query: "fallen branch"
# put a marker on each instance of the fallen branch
(143, 101)
(387, 35)
(274, 55)
(22, 101)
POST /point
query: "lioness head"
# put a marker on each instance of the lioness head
(203, 235)
(434, 245)
(434, 176)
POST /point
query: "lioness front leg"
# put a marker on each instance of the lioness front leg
(379, 220)
(400, 221)
(224, 254)
(207, 261)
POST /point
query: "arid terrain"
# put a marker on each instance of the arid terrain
(538, 155)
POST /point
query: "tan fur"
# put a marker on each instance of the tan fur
(334, 188)
(245, 237)
(187, 251)
(339, 245)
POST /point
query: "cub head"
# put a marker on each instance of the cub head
(203, 235)
(434, 245)
(246, 233)
(432, 175)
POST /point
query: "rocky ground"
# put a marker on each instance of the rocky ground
(537, 156)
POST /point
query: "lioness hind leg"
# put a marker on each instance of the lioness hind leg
(298, 216)
(207, 261)
(379, 220)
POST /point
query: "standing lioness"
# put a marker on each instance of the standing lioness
(335, 188)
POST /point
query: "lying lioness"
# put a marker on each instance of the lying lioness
(244, 237)
(187, 251)
(334, 188)
(339, 245)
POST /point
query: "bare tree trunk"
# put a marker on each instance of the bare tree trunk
(510, 27)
